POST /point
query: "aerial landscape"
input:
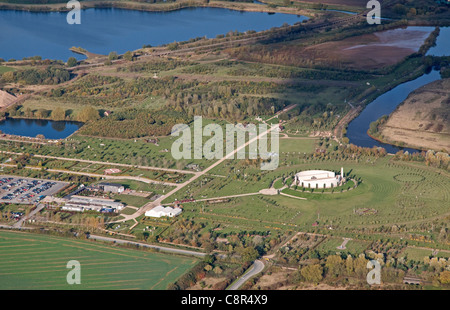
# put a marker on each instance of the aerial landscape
(211, 145)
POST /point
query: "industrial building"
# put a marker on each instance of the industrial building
(82, 203)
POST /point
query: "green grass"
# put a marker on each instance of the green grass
(297, 145)
(130, 200)
(416, 254)
(128, 211)
(4, 69)
(395, 202)
(33, 261)
(354, 247)
(146, 187)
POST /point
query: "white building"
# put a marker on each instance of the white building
(319, 179)
(161, 211)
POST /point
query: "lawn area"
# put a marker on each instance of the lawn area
(305, 145)
(4, 69)
(394, 200)
(34, 261)
(131, 200)
(415, 253)
(354, 247)
(145, 187)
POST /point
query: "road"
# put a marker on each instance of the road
(158, 201)
(145, 245)
(256, 268)
(104, 163)
(30, 215)
(95, 175)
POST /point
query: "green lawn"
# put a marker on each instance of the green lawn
(394, 200)
(130, 200)
(297, 145)
(4, 69)
(33, 261)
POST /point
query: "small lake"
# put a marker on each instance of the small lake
(33, 127)
(25, 34)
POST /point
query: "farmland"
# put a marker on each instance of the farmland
(30, 261)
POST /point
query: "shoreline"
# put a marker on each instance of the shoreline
(418, 149)
(155, 7)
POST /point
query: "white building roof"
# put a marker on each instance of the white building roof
(160, 211)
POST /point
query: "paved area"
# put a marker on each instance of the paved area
(14, 189)
(254, 269)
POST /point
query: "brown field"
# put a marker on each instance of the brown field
(422, 120)
(369, 51)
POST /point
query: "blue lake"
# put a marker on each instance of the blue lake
(33, 127)
(101, 31)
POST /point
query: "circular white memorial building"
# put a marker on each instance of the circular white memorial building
(319, 179)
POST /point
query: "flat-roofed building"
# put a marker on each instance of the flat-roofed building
(112, 187)
(161, 211)
(83, 203)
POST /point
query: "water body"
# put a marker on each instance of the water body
(385, 105)
(25, 34)
(442, 47)
(388, 102)
(33, 127)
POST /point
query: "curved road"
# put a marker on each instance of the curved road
(256, 268)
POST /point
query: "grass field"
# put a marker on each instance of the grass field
(385, 188)
(130, 200)
(4, 69)
(33, 261)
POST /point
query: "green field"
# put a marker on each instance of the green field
(395, 202)
(4, 69)
(130, 200)
(33, 261)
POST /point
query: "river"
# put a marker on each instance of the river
(388, 102)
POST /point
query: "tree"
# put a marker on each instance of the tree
(444, 277)
(334, 265)
(71, 62)
(58, 114)
(128, 56)
(312, 273)
(113, 56)
(88, 114)
(248, 254)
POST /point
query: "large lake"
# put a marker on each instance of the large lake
(33, 127)
(25, 34)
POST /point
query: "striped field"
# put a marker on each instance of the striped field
(34, 261)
